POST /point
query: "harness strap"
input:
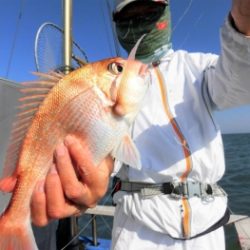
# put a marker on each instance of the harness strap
(176, 190)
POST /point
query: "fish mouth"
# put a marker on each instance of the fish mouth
(124, 103)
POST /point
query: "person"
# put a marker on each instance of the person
(174, 201)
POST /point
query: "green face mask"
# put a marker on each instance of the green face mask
(157, 40)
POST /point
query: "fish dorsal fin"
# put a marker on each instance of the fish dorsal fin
(132, 53)
(33, 94)
(127, 153)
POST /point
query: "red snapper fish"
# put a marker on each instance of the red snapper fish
(97, 102)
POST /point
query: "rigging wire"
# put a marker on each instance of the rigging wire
(20, 15)
(115, 40)
(106, 223)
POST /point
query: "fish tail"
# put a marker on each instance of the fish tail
(16, 235)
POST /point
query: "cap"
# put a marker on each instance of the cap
(120, 4)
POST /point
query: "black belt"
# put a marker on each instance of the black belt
(176, 190)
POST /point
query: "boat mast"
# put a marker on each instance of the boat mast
(67, 55)
(67, 228)
(68, 67)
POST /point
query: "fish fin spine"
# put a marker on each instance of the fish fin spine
(127, 152)
(33, 94)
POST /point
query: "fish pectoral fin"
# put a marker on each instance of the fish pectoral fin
(128, 153)
(8, 184)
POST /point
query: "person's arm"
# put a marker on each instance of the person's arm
(73, 184)
(241, 15)
(228, 79)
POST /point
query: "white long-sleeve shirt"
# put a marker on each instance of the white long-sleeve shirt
(178, 138)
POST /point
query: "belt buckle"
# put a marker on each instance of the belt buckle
(186, 189)
(194, 189)
(189, 189)
(177, 190)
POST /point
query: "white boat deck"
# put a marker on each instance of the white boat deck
(242, 225)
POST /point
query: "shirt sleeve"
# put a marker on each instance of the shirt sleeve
(228, 81)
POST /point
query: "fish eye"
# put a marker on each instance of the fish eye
(115, 68)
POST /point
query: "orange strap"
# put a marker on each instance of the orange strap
(186, 151)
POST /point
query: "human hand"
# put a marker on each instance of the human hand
(72, 185)
(241, 15)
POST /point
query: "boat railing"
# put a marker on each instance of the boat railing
(241, 223)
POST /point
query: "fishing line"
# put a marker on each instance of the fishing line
(88, 223)
(106, 28)
(183, 15)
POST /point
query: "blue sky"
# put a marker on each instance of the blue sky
(196, 26)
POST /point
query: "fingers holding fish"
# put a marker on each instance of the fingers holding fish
(49, 202)
(93, 179)
(72, 184)
(68, 171)
(57, 204)
(38, 205)
(81, 155)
